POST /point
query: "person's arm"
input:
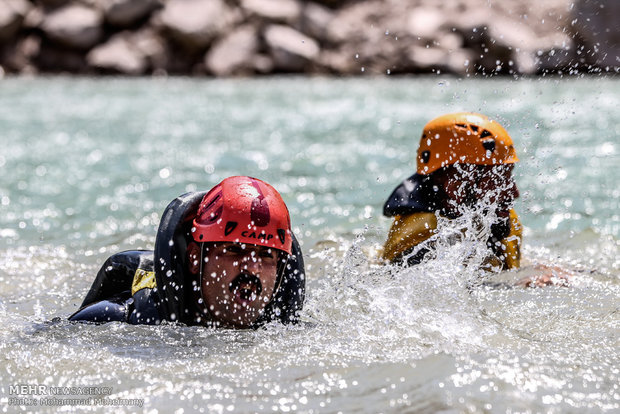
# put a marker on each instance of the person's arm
(115, 309)
(109, 296)
(116, 275)
(545, 276)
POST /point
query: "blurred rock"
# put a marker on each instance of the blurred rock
(449, 41)
(54, 59)
(153, 47)
(331, 3)
(425, 22)
(428, 58)
(20, 55)
(434, 59)
(12, 13)
(239, 37)
(263, 63)
(50, 4)
(74, 26)
(597, 28)
(131, 53)
(118, 55)
(34, 18)
(124, 13)
(511, 32)
(291, 50)
(555, 59)
(195, 23)
(341, 61)
(274, 10)
(315, 20)
(234, 53)
(350, 23)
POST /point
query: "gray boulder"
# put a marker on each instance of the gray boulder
(74, 26)
(458, 61)
(119, 54)
(57, 59)
(33, 19)
(53, 3)
(425, 22)
(124, 13)
(234, 54)
(597, 28)
(12, 14)
(315, 20)
(349, 23)
(153, 47)
(274, 10)
(291, 50)
(18, 56)
(195, 23)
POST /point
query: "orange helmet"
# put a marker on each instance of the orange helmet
(244, 210)
(466, 138)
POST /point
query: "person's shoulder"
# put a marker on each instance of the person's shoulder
(410, 196)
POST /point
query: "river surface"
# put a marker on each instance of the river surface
(88, 165)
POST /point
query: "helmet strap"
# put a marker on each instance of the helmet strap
(282, 262)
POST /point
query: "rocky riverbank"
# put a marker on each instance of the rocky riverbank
(247, 37)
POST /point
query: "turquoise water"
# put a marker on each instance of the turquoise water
(88, 166)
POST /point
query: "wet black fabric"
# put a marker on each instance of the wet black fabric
(107, 310)
(116, 274)
(110, 299)
(173, 236)
(414, 195)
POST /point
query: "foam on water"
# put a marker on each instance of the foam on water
(374, 338)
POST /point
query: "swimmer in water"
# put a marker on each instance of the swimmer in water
(227, 258)
(464, 161)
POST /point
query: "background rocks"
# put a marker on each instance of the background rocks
(247, 37)
(75, 26)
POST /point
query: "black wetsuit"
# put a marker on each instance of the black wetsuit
(130, 288)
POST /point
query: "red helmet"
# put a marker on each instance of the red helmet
(244, 210)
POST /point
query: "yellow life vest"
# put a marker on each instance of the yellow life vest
(143, 279)
(409, 230)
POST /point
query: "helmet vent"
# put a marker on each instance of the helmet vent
(489, 145)
(426, 156)
(210, 211)
(485, 134)
(259, 212)
(461, 126)
(209, 216)
(474, 128)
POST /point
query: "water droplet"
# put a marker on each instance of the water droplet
(164, 173)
